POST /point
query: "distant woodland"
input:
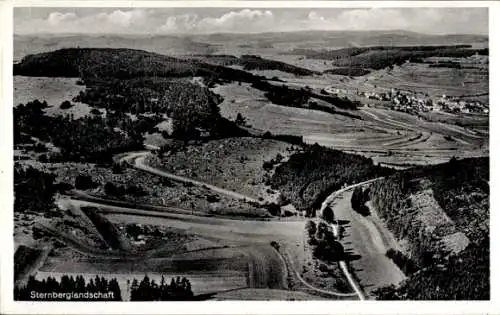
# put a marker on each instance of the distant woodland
(380, 57)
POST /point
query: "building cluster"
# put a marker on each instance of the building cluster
(413, 104)
(462, 106)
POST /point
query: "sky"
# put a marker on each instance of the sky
(251, 20)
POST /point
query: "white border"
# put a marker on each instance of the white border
(7, 306)
(248, 4)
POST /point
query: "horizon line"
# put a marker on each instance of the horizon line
(248, 33)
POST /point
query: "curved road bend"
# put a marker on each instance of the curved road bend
(375, 268)
(136, 160)
(343, 264)
(311, 287)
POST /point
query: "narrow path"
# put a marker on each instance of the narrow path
(311, 287)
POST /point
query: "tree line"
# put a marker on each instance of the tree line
(324, 243)
(379, 57)
(148, 290)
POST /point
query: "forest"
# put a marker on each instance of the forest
(464, 277)
(87, 139)
(34, 190)
(69, 284)
(193, 108)
(148, 290)
(308, 177)
(122, 63)
(461, 189)
(286, 96)
(351, 72)
(253, 62)
(380, 57)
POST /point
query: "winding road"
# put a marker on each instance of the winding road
(136, 160)
(366, 239)
(342, 263)
(256, 234)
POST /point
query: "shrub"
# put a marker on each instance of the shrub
(328, 215)
(65, 105)
(311, 228)
(275, 245)
(406, 265)
(358, 200)
(213, 198)
(84, 182)
(95, 111)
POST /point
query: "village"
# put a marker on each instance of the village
(412, 103)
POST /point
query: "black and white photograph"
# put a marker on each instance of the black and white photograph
(250, 153)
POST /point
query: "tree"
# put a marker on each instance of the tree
(328, 215)
(95, 111)
(84, 182)
(117, 168)
(240, 120)
(65, 105)
(311, 228)
(114, 190)
(358, 200)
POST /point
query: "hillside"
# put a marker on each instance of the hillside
(243, 43)
(124, 82)
(253, 62)
(440, 217)
(120, 63)
(379, 57)
(308, 177)
(343, 38)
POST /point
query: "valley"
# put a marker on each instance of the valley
(235, 166)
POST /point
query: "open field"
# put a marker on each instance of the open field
(253, 105)
(265, 295)
(422, 79)
(52, 90)
(384, 135)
